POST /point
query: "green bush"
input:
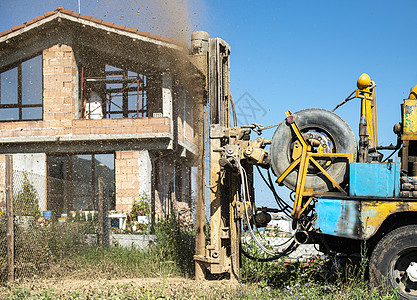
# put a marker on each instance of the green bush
(176, 245)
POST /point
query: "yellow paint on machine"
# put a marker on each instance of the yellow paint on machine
(373, 213)
(410, 116)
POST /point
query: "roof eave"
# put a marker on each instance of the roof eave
(121, 32)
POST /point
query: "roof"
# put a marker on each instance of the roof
(60, 12)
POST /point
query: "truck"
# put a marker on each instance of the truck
(348, 198)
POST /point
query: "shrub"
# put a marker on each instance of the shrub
(175, 244)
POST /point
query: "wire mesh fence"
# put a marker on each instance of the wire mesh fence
(31, 239)
(53, 217)
(3, 247)
(45, 220)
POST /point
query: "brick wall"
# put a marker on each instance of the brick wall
(59, 86)
(127, 179)
(60, 96)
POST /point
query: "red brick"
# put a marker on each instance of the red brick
(140, 121)
(143, 129)
(81, 131)
(113, 130)
(95, 123)
(160, 128)
(97, 130)
(156, 121)
(66, 123)
(79, 123)
(127, 130)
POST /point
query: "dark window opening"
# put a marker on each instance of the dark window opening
(21, 91)
(73, 181)
(120, 93)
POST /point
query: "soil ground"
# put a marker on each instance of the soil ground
(133, 288)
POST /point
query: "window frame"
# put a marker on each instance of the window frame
(19, 103)
(130, 85)
(69, 193)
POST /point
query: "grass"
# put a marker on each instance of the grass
(68, 270)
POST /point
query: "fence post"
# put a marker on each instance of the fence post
(106, 229)
(10, 218)
(100, 211)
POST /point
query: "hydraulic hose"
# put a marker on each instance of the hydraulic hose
(275, 255)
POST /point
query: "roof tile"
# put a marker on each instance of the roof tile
(18, 27)
(66, 11)
(86, 17)
(108, 23)
(29, 22)
(130, 29)
(49, 13)
(6, 32)
(144, 33)
(96, 20)
(38, 18)
(119, 27)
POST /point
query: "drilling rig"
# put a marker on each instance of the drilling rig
(345, 193)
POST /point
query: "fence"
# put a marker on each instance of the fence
(37, 227)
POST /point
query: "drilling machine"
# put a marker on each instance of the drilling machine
(346, 195)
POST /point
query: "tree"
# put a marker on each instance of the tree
(25, 203)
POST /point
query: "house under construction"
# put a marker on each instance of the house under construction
(82, 98)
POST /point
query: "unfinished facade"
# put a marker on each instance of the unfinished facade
(82, 98)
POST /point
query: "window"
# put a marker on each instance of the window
(119, 94)
(21, 91)
(73, 181)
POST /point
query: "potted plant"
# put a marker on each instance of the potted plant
(141, 210)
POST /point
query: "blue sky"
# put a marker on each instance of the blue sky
(285, 54)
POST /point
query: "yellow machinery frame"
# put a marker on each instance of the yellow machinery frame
(303, 162)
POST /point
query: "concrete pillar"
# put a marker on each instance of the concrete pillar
(145, 173)
(34, 164)
(167, 96)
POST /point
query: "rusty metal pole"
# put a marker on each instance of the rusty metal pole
(10, 218)
(199, 45)
(200, 242)
(100, 212)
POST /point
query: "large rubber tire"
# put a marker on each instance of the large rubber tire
(333, 126)
(391, 257)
